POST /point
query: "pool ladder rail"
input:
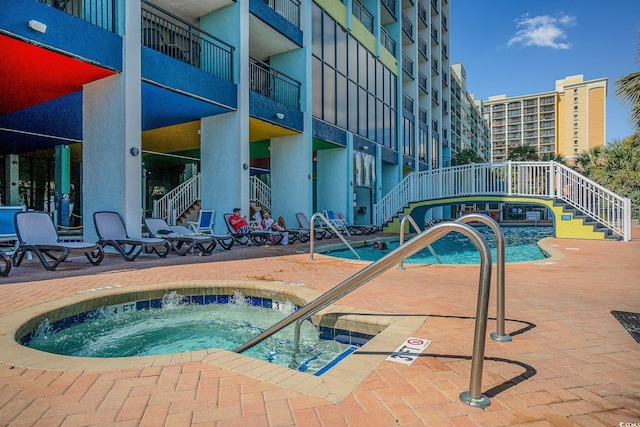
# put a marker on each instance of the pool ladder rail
(474, 396)
(321, 217)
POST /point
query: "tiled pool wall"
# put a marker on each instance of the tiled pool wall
(62, 319)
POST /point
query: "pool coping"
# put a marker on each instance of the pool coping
(334, 385)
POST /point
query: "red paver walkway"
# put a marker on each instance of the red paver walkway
(570, 362)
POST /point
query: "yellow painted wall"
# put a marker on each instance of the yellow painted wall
(566, 225)
(597, 135)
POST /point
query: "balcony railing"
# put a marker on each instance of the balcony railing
(422, 13)
(407, 102)
(171, 35)
(391, 6)
(363, 15)
(407, 26)
(101, 13)
(273, 84)
(422, 48)
(407, 65)
(423, 82)
(387, 41)
(288, 9)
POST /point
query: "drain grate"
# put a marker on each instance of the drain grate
(630, 321)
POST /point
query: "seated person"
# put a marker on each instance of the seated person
(270, 224)
(257, 219)
(239, 223)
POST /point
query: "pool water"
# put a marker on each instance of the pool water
(183, 327)
(521, 244)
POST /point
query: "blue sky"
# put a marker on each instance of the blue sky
(519, 47)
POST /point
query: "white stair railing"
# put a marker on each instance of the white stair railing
(260, 192)
(176, 202)
(534, 179)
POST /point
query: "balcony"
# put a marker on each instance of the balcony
(407, 26)
(435, 65)
(391, 6)
(434, 35)
(407, 65)
(169, 34)
(387, 41)
(423, 83)
(422, 14)
(363, 15)
(97, 12)
(288, 9)
(274, 85)
(434, 7)
(423, 49)
(407, 103)
(435, 95)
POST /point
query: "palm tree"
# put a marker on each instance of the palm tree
(628, 88)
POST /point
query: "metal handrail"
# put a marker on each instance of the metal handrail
(412, 221)
(474, 396)
(335, 231)
(500, 334)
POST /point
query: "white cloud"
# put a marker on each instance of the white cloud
(542, 31)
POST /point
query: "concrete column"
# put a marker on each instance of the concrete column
(335, 182)
(12, 192)
(224, 139)
(112, 131)
(291, 179)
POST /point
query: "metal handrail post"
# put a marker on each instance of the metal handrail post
(335, 231)
(474, 396)
(412, 221)
(500, 334)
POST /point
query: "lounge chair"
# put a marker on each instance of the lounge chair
(182, 240)
(112, 232)
(358, 228)
(337, 223)
(319, 232)
(6, 259)
(258, 237)
(204, 226)
(205, 222)
(37, 233)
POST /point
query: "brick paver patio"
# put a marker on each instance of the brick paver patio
(570, 362)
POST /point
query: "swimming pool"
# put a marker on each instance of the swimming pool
(179, 323)
(521, 244)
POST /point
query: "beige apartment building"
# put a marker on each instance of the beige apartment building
(566, 121)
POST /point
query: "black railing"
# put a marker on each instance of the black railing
(273, 84)
(391, 6)
(288, 9)
(407, 26)
(387, 41)
(364, 16)
(422, 13)
(423, 82)
(101, 13)
(407, 65)
(422, 48)
(173, 36)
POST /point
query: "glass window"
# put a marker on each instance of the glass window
(362, 66)
(362, 113)
(329, 91)
(379, 79)
(316, 35)
(341, 49)
(371, 108)
(371, 74)
(353, 58)
(341, 104)
(379, 122)
(317, 87)
(353, 107)
(329, 39)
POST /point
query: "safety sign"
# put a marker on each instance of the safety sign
(409, 350)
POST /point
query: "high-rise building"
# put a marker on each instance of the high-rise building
(563, 122)
(327, 103)
(469, 126)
